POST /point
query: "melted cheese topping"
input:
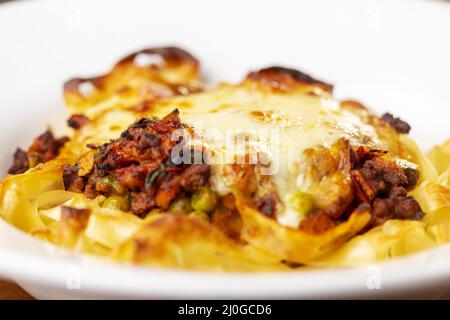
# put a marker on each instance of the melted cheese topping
(234, 120)
(278, 126)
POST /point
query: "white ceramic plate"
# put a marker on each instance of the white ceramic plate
(394, 56)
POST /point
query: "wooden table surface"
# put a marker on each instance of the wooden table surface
(11, 291)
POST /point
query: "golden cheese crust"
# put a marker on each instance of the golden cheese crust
(286, 79)
(167, 71)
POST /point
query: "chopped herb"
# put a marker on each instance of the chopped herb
(151, 177)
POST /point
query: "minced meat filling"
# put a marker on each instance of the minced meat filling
(20, 162)
(44, 148)
(398, 124)
(385, 185)
(379, 185)
(138, 165)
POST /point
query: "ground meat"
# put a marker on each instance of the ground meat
(77, 121)
(378, 185)
(20, 162)
(45, 148)
(169, 188)
(72, 182)
(148, 143)
(398, 192)
(195, 177)
(407, 208)
(138, 164)
(402, 207)
(385, 185)
(90, 191)
(413, 176)
(396, 123)
(141, 203)
(133, 177)
(381, 176)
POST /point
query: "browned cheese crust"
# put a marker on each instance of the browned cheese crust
(172, 71)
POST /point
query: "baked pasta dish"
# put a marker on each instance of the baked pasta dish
(273, 173)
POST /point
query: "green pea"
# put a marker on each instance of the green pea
(181, 205)
(302, 203)
(204, 200)
(117, 203)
